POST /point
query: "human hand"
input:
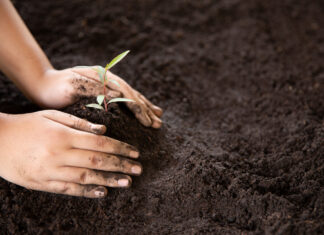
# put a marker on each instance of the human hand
(56, 152)
(23, 61)
(60, 88)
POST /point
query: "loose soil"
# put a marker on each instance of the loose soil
(242, 86)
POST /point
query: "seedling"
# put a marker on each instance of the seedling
(102, 99)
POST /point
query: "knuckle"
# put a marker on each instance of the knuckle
(51, 155)
(56, 187)
(77, 123)
(60, 135)
(56, 134)
(110, 179)
(117, 163)
(32, 185)
(101, 141)
(142, 102)
(75, 189)
(84, 177)
(96, 161)
(80, 124)
(135, 108)
(123, 164)
(64, 189)
(122, 148)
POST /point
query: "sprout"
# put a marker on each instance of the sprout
(99, 104)
(116, 60)
(102, 100)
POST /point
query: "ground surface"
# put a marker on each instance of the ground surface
(241, 83)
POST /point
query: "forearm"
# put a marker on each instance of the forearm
(21, 58)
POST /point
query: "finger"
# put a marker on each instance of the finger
(74, 122)
(87, 141)
(114, 82)
(87, 86)
(140, 113)
(139, 108)
(73, 189)
(101, 161)
(114, 94)
(156, 122)
(92, 177)
(87, 72)
(156, 110)
(92, 74)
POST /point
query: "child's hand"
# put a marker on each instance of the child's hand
(23, 61)
(56, 152)
(61, 88)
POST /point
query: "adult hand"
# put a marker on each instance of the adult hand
(60, 88)
(57, 152)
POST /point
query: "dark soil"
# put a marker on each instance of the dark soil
(242, 146)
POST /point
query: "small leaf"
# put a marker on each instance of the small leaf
(114, 81)
(82, 67)
(120, 100)
(100, 99)
(116, 59)
(96, 106)
(101, 72)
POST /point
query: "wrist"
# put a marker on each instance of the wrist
(54, 90)
(45, 83)
(32, 82)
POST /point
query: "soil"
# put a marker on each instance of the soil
(242, 146)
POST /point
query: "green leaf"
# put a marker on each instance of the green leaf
(114, 81)
(100, 99)
(116, 59)
(101, 72)
(96, 106)
(120, 100)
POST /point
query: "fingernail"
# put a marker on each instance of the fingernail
(157, 108)
(123, 182)
(137, 170)
(99, 129)
(157, 124)
(99, 192)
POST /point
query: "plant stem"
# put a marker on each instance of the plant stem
(106, 105)
(104, 91)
